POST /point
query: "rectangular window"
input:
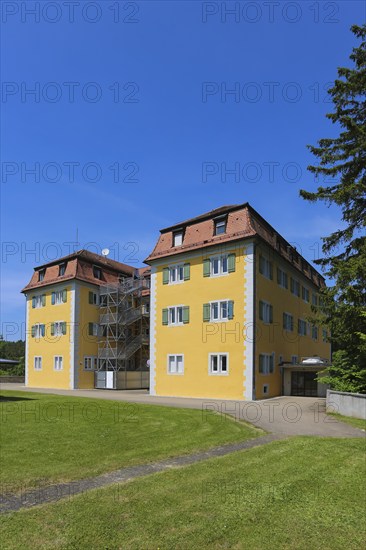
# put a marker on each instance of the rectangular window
(58, 297)
(41, 274)
(97, 272)
(305, 294)
(38, 331)
(38, 363)
(294, 359)
(39, 301)
(219, 265)
(93, 329)
(90, 362)
(221, 311)
(314, 299)
(175, 364)
(266, 363)
(61, 269)
(288, 322)
(265, 312)
(324, 335)
(58, 328)
(282, 278)
(314, 332)
(175, 315)
(295, 287)
(93, 298)
(58, 362)
(218, 363)
(265, 267)
(177, 238)
(220, 226)
(302, 327)
(176, 274)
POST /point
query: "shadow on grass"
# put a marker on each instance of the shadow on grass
(8, 398)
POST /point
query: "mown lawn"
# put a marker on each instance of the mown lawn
(48, 438)
(299, 494)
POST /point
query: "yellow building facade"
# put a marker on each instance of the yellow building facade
(230, 303)
(62, 319)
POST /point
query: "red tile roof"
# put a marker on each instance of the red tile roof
(242, 222)
(79, 265)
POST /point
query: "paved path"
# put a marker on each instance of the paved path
(53, 493)
(281, 415)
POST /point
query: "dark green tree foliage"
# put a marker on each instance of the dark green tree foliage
(342, 162)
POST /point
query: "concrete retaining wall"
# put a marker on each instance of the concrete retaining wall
(348, 404)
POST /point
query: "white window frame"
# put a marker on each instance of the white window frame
(58, 362)
(92, 360)
(38, 330)
(177, 271)
(267, 267)
(96, 300)
(296, 285)
(218, 224)
(305, 294)
(175, 356)
(294, 359)
(221, 261)
(62, 267)
(304, 327)
(220, 307)
(283, 277)
(37, 362)
(175, 309)
(289, 318)
(58, 328)
(269, 357)
(58, 297)
(38, 301)
(219, 356)
(266, 311)
(95, 330)
(177, 238)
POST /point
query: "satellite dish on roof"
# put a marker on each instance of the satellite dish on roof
(105, 251)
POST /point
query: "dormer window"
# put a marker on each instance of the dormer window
(41, 274)
(220, 226)
(97, 272)
(177, 238)
(61, 269)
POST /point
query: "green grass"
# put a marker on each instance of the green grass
(356, 422)
(50, 438)
(296, 494)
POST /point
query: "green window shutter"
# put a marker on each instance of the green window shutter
(186, 314)
(165, 275)
(91, 301)
(187, 272)
(34, 301)
(90, 329)
(53, 298)
(206, 267)
(260, 310)
(33, 331)
(64, 296)
(43, 299)
(206, 312)
(231, 261)
(64, 328)
(165, 316)
(43, 330)
(52, 329)
(230, 309)
(271, 314)
(278, 275)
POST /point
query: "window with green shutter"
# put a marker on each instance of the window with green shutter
(187, 272)
(64, 296)
(230, 306)
(63, 327)
(43, 300)
(53, 298)
(231, 261)
(91, 298)
(52, 329)
(34, 302)
(165, 316)
(206, 312)
(165, 275)
(33, 331)
(206, 267)
(185, 314)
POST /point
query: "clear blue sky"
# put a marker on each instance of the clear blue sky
(139, 100)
